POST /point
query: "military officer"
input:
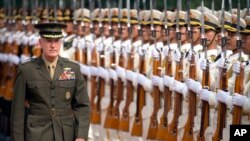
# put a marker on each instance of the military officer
(56, 91)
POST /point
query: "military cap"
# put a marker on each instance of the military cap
(44, 14)
(227, 20)
(182, 18)
(68, 15)
(145, 17)
(205, 9)
(57, 17)
(247, 29)
(97, 15)
(211, 22)
(195, 16)
(233, 27)
(115, 15)
(50, 30)
(82, 15)
(168, 15)
(235, 10)
(106, 15)
(133, 16)
(2, 14)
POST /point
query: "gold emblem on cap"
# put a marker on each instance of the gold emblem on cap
(67, 95)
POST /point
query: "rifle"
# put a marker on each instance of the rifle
(239, 85)
(124, 121)
(85, 49)
(205, 84)
(153, 126)
(172, 128)
(222, 108)
(188, 128)
(140, 98)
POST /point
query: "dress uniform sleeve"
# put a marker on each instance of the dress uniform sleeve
(80, 105)
(18, 109)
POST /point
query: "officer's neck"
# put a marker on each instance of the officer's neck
(50, 59)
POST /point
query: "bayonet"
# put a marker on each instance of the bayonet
(144, 4)
(238, 29)
(189, 26)
(82, 13)
(223, 38)
(91, 7)
(203, 39)
(248, 6)
(212, 6)
(230, 6)
(128, 16)
(119, 16)
(178, 34)
(55, 11)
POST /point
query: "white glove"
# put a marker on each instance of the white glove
(221, 62)
(130, 75)
(165, 50)
(168, 81)
(236, 67)
(177, 56)
(238, 99)
(121, 73)
(205, 95)
(155, 54)
(84, 70)
(203, 64)
(103, 73)
(93, 70)
(155, 80)
(224, 97)
(100, 47)
(193, 85)
(180, 88)
(145, 82)
(5, 57)
(13, 59)
(25, 40)
(112, 74)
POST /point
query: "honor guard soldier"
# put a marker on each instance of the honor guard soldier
(238, 99)
(65, 103)
(69, 33)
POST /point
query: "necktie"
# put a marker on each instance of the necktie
(51, 71)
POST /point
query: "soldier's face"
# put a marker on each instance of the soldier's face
(171, 33)
(145, 32)
(50, 47)
(124, 31)
(106, 29)
(96, 28)
(219, 36)
(70, 27)
(158, 32)
(86, 28)
(246, 44)
(183, 31)
(115, 29)
(135, 32)
(196, 33)
(232, 41)
(211, 36)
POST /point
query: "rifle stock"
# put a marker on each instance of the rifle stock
(163, 126)
(96, 111)
(93, 78)
(153, 127)
(188, 128)
(124, 121)
(172, 128)
(222, 109)
(204, 107)
(239, 87)
(140, 102)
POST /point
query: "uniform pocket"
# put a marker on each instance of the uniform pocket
(68, 124)
(35, 127)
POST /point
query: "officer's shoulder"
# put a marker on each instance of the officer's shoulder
(72, 62)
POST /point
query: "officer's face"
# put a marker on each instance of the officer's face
(232, 41)
(246, 44)
(50, 47)
(171, 33)
(106, 29)
(124, 31)
(115, 30)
